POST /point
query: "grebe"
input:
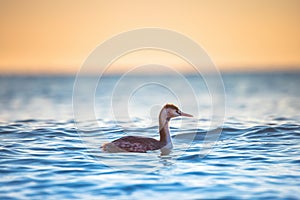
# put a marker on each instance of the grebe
(144, 144)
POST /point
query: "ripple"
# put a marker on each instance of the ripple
(43, 160)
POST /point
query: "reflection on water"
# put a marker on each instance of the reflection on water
(42, 155)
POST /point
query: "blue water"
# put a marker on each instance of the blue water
(43, 154)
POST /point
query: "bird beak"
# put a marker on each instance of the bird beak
(186, 115)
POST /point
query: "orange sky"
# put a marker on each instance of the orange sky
(56, 36)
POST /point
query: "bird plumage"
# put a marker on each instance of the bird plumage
(143, 144)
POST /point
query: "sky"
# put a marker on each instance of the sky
(56, 36)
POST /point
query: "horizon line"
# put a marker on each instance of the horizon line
(222, 71)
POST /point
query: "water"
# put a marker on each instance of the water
(42, 154)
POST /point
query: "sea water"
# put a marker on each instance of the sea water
(46, 153)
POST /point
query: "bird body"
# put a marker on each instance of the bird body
(143, 144)
(135, 144)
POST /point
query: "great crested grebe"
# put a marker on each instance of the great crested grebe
(144, 144)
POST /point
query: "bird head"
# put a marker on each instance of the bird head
(173, 111)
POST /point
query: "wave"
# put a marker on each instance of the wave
(42, 157)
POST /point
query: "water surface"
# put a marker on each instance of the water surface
(42, 155)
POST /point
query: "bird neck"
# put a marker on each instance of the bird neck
(165, 138)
